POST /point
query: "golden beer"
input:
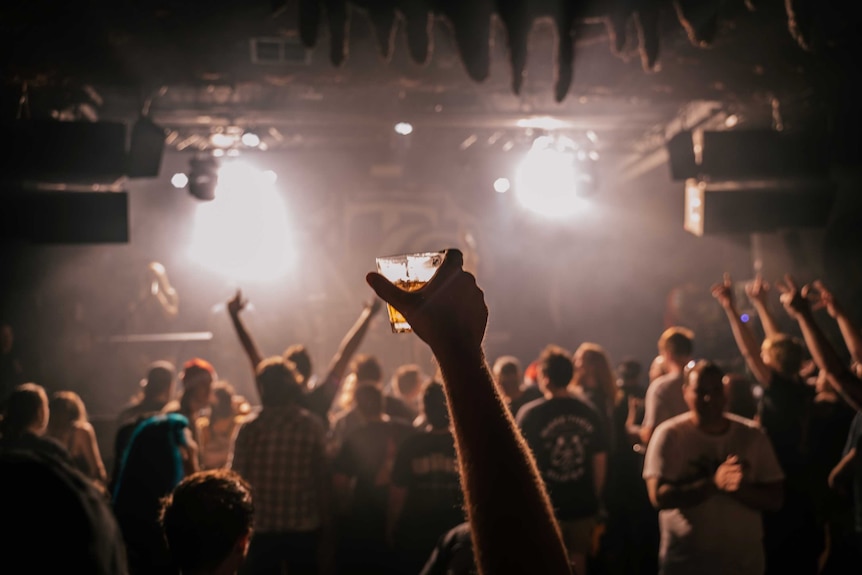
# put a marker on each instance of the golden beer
(396, 320)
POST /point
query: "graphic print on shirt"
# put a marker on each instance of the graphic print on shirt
(566, 439)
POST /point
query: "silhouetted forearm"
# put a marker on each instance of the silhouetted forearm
(747, 346)
(346, 350)
(847, 384)
(682, 495)
(513, 526)
(852, 336)
(760, 496)
(248, 345)
(767, 320)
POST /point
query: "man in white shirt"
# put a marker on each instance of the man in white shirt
(711, 474)
(664, 396)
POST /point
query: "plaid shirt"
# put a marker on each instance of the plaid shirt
(281, 454)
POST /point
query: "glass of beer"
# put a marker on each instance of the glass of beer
(409, 272)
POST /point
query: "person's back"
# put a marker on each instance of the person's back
(71, 529)
(151, 466)
(664, 398)
(280, 452)
(24, 422)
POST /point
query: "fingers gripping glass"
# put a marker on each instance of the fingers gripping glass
(409, 272)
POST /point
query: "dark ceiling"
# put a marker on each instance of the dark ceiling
(635, 65)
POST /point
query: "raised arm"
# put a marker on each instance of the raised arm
(758, 292)
(849, 331)
(745, 341)
(450, 315)
(331, 381)
(796, 303)
(234, 307)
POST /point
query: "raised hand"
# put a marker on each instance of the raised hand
(236, 304)
(825, 300)
(723, 292)
(728, 476)
(448, 313)
(794, 299)
(757, 290)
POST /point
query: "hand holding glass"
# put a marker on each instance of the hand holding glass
(409, 272)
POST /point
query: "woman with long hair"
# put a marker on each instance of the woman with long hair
(594, 378)
(68, 425)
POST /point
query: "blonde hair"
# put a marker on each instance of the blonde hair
(66, 408)
(594, 356)
(785, 353)
(677, 341)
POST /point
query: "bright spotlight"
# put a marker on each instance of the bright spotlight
(548, 181)
(179, 181)
(270, 176)
(218, 153)
(243, 234)
(502, 185)
(222, 140)
(251, 140)
(404, 128)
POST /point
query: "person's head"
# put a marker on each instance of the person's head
(434, 405)
(407, 381)
(26, 410)
(197, 377)
(367, 369)
(369, 401)
(223, 401)
(66, 409)
(783, 353)
(593, 372)
(628, 377)
(301, 359)
(676, 345)
(739, 396)
(7, 338)
(159, 385)
(555, 368)
(207, 521)
(278, 382)
(703, 389)
(507, 374)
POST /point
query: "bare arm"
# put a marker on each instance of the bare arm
(397, 496)
(745, 341)
(331, 382)
(849, 331)
(840, 376)
(842, 472)
(760, 496)
(666, 495)
(758, 292)
(91, 453)
(449, 314)
(600, 470)
(234, 307)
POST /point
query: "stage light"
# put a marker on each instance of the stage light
(549, 181)
(731, 121)
(179, 180)
(744, 317)
(222, 140)
(218, 153)
(203, 177)
(251, 140)
(502, 185)
(244, 233)
(404, 128)
(270, 176)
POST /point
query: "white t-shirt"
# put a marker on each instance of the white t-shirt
(664, 400)
(719, 535)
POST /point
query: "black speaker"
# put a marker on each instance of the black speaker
(64, 217)
(750, 155)
(739, 208)
(69, 152)
(146, 149)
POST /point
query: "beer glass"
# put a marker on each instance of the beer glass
(409, 272)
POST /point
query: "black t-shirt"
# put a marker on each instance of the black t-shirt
(453, 555)
(368, 455)
(565, 434)
(530, 394)
(11, 376)
(854, 441)
(427, 466)
(784, 414)
(319, 399)
(396, 408)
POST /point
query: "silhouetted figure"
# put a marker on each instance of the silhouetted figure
(11, 372)
(740, 396)
(68, 424)
(664, 394)
(207, 521)
(216, 430)
(25, 420)
(510, 381)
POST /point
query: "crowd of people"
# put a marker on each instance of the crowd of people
(563, 465)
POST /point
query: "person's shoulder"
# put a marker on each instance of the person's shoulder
(531, 409)
(742, 422)
(674, 425)
(663, 383)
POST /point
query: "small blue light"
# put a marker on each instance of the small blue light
(744, 317)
